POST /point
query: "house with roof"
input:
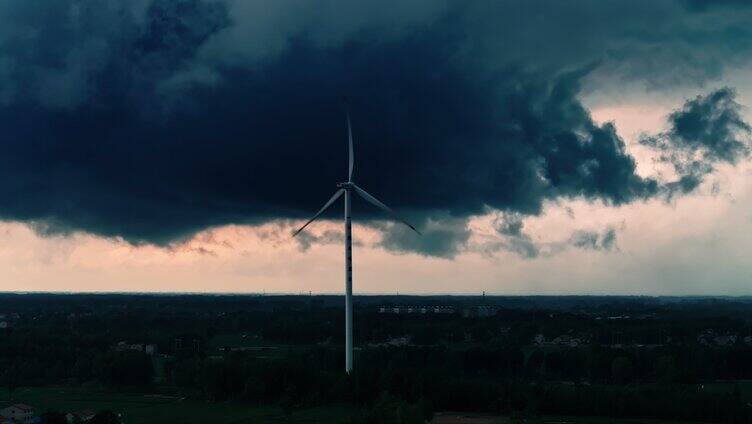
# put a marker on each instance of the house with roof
(81, 416)
(18, 413)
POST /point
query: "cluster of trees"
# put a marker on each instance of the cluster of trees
(452, 362)
(126, 369)
(102, 417)
(407, 382)
(662, 364)
(677, 402)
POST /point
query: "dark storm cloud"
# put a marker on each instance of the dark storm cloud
(711, 124)
(707, 130)
(661, 43)
(592, 240)
(133, 121)
(514, 238)
(511, 226)
(444, 237)
(306, 239)
(705, 5)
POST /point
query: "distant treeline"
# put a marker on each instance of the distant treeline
(646, 362)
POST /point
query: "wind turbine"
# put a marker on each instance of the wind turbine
(347, 188)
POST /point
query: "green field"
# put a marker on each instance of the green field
(139, 408)
(251, 345)
(147, 409)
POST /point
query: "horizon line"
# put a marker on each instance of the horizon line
(445, 294)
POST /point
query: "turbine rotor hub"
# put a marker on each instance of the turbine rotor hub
(345, 185)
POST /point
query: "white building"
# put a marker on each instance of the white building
(150, 349)
(82, 416)
(416, 310)
(20, 413)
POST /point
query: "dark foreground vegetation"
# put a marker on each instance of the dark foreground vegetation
(680, 359)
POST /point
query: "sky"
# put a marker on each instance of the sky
(541, 147)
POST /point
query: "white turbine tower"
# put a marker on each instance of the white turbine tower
(347, 189)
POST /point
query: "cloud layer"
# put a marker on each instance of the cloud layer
(707, 130)
(152, 120)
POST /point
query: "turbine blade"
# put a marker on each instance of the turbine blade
(364, 194)
(326, 205)
(351, 155)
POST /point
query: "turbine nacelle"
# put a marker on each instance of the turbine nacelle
(346, 185)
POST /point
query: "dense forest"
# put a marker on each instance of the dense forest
(634, 357)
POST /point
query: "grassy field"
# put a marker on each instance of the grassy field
(147, 409)
(251, 344)
(745, 388)
(150, 408)
(240, 340)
